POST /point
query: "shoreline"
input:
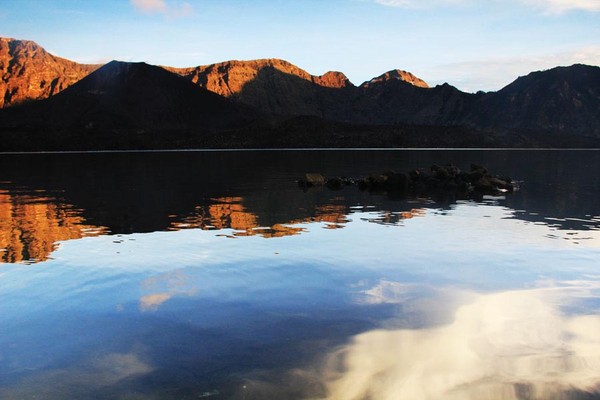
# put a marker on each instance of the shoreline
(349, 149)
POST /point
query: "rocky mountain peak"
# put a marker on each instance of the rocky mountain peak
(333, 79)
(397, 74)
(28, 72)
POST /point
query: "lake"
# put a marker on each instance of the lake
(211, 274)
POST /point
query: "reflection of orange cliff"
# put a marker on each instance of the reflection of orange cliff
(230, 213)
(334, 215)
(31, 226)
(393, 218)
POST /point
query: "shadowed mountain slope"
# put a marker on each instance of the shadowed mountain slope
(393, 102)
(275, 86)
(123, 95)
(562, 99)
(280, 88)
(228, 78)
(28, 72)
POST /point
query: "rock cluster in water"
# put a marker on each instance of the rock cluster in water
(438, 178)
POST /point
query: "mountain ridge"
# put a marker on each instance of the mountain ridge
(265, 101)
(36, 68)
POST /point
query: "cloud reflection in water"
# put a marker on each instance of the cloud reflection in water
(164, 287)
(507, 345)
(93, 376)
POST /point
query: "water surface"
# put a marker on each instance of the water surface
(188, 275)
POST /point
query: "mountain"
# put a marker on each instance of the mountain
(229, 78)
(271, 102)
(562, 99)
(122, 105)
(393, 102)
(28, 72)
(276, 87)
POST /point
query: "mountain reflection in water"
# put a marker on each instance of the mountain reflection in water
(32, 225)
(212, 274)
(144, 192)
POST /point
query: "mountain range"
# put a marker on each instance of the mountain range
(50, 103)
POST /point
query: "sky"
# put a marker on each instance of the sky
(471, 44)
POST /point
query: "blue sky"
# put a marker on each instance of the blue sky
(471, 44)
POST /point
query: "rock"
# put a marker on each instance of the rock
(474, 176)
(501, 184)
(377, 181)
(440, 172)
(335, 183)
(418, 174)
(439, 181)
(398, 182)
(450, 185)
(414, 174)
(362, 184)
(311, 179)
(483, 185)
(479, 168)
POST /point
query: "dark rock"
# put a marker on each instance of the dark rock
(483, 185)
(311, 179)
(474, 176)
(362, 184)
(377, 181)
(450, 185)
(433, 182)
(479, 168)
(440, 172)
(438, 182)
(335, 183)
(398, 182)
(415, 174)
(501, 184)
(445, 171)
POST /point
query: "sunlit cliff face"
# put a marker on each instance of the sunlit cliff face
(501, 346)
(31, 227)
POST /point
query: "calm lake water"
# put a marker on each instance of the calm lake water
(190, 275)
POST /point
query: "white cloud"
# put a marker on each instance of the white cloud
(394, 3)
(548, 6)
(418, 3)
(495, 73)
(150, 6)
(161, 7)
(561, 6)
